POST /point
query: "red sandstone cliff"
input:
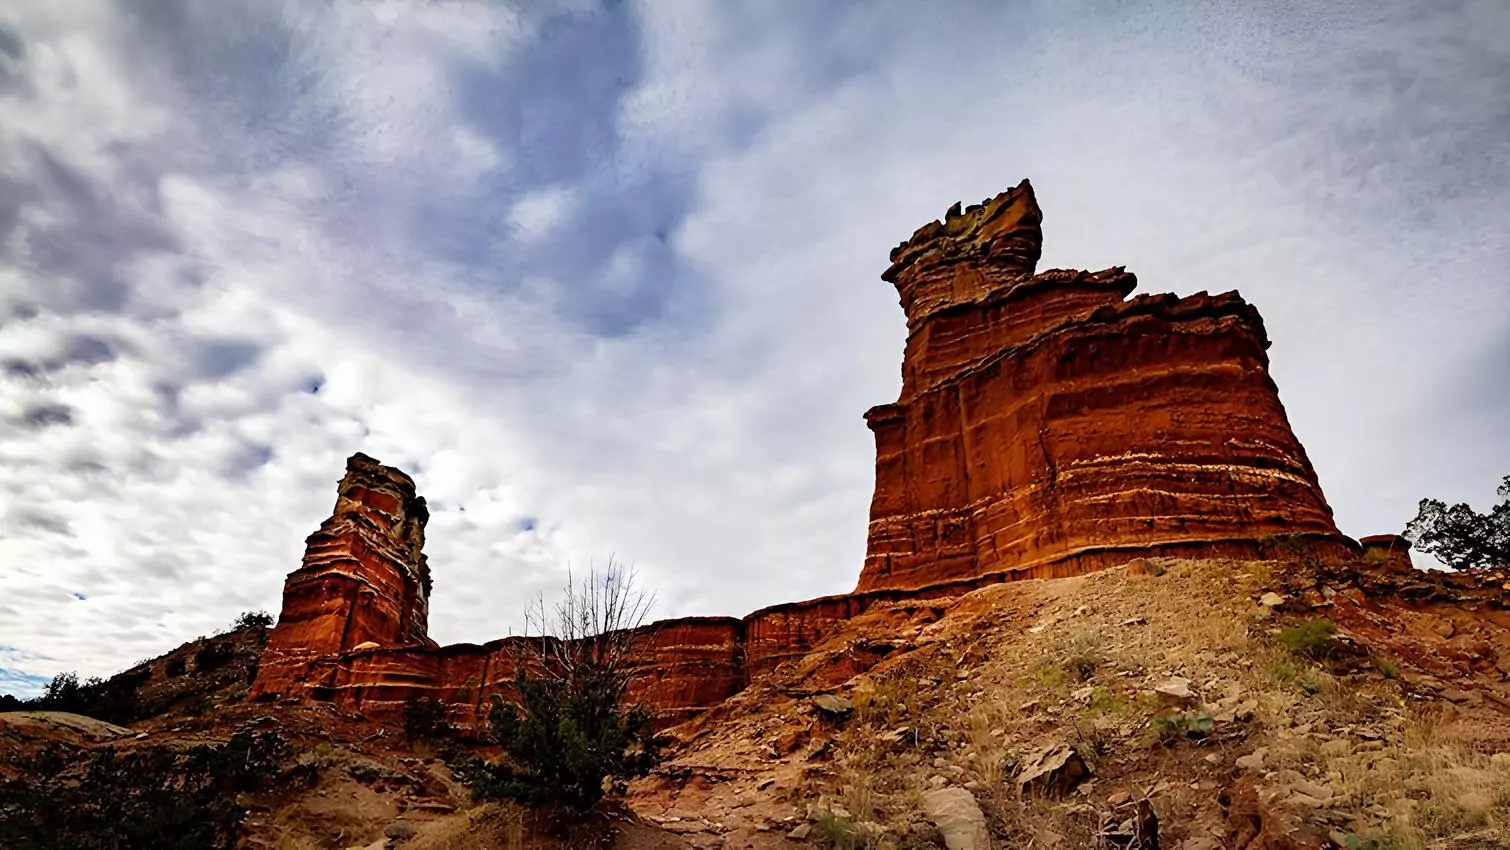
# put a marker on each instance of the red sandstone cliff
(1047, 426)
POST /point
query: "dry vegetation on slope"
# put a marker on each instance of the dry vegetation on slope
(1242, 724)
(1191, 697)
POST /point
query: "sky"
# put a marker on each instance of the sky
(604, 276)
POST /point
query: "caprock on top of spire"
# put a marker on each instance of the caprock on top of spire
(1001, 235)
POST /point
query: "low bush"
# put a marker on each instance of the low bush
(145, 798)
(1298, 674)
(1195, 725)
(253, 620)
(213, 656)
(1311, 639)
(425, 719)
(571, 732)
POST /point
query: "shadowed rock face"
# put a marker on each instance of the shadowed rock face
(1048, 426)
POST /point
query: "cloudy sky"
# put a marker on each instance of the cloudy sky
(603, 276)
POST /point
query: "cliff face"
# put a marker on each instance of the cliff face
(1047, 426)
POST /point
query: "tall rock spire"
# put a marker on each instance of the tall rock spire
(364, 580)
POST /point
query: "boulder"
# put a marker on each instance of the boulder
(958, 818)
(833, 705)
(1175, 691)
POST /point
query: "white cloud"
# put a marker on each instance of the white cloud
(541, 211)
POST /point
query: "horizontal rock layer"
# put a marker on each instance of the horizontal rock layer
(364, 578)
(1047, 426)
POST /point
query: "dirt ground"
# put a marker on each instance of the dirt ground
(1213, 704)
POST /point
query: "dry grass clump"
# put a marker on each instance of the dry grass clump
(1082, 666)
(889, 702)
(1424, 788)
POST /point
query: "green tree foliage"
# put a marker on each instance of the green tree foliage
(571, 735)
(253, 620)
(1461, 537)
(113, 700)
(62, 693)
(155, 798)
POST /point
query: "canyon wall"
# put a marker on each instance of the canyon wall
(1047, 425)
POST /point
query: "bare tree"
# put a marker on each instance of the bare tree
(593, 627)
(571, 735)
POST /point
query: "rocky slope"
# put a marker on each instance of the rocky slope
(1195, 700)
(1198, 694)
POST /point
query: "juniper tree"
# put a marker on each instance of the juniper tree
(1461, 537)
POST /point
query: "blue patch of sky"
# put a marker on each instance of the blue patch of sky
(20, 684)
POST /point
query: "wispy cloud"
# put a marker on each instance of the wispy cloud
(603, 277)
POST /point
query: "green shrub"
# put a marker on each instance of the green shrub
(838, 831)
(562, 738)
(1311, 639)
(154, 798)
(570, 734)
(213, 656)
(425, 719)
(1104, 701)
(1301, 675)
(1357, 842)
(1195, 725)
(253, 620)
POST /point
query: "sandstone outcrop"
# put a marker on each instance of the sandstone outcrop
(1390, 551)
(1047, 425)
(364, 579)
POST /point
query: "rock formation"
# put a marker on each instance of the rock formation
(1047, 425)
(364, 579)
(1390, 551)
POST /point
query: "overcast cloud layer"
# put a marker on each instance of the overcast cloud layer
(604, 277)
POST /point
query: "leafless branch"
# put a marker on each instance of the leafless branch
(594, 626)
